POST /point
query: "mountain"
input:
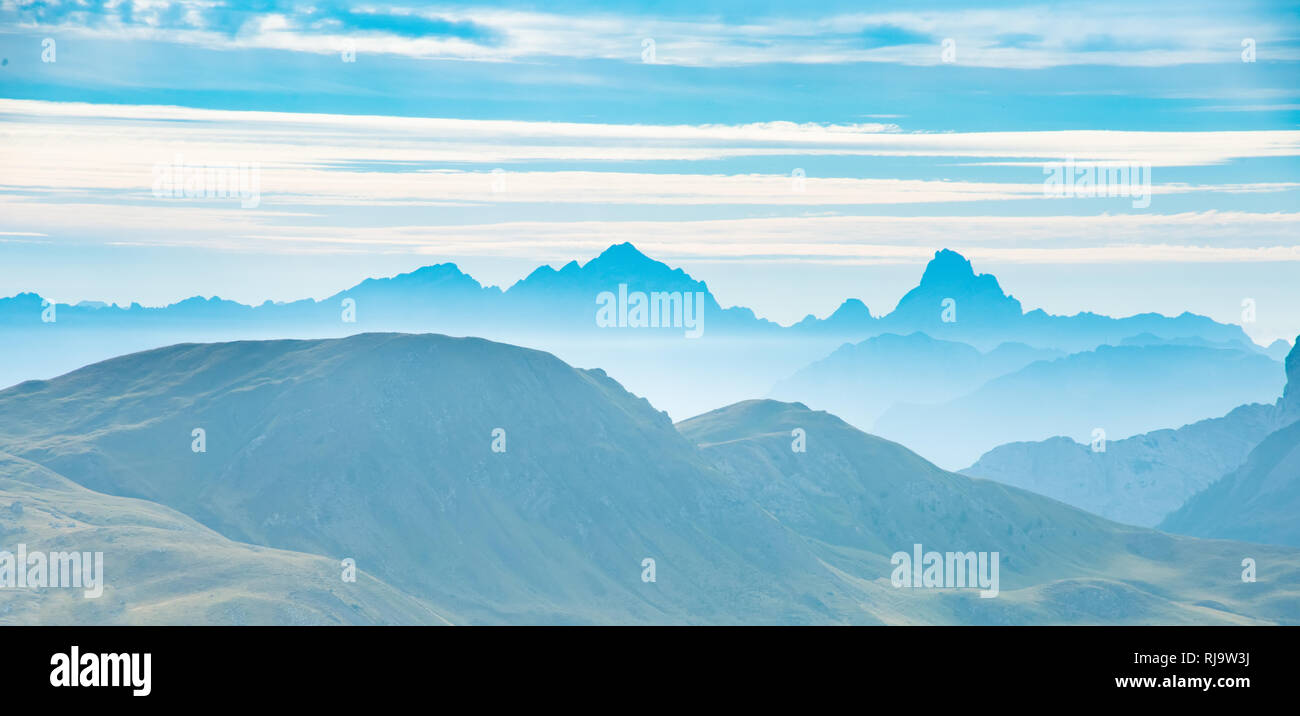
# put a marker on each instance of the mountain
(850, 319)
(710, 356)
(1142, 479)
(1122, 391)
(379, 447)
(859, 499)
(694, 356)
(1256, 503)
(160, 567)
(1278, 349)
(1259, 501)
(504, 486)
(978, 305)
(952, 302)
(861, 381)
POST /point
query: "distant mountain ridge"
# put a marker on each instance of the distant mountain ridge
(443, 297)
(860, 381)
(1142, 479)
(727, 355)
(1119, 391)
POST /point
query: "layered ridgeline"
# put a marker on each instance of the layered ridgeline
(1111, 392)
(1142, 479)
(500, 485)
(732, 355)
(157, 566)
(1260, 500)
(860, 381)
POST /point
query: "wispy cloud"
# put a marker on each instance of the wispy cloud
(276, 138)
(994, 36)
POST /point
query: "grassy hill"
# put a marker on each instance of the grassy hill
(161, 567)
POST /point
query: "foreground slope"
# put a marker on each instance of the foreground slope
(160, 567)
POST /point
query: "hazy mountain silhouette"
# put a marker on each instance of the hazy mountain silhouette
(380, 447)
(1121, 390)
(858, 382)
(1142, 479)
(734, 355)
(953, 302)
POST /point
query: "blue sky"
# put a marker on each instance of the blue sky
(792, 154)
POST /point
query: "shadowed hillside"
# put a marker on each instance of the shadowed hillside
(160, 567)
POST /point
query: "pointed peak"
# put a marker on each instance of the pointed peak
(851, 308)
(624, 254)
(948, 267)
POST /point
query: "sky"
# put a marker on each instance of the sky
(791, 155)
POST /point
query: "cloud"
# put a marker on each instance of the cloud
(347, 183)
(321, 140)
(991, 36)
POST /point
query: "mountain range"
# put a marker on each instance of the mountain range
(735, 356)
(1108, 394)
(478, 482)
(860, 381)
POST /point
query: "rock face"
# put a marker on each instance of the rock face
(501, 485)
(1141, 480)
(1260, 501)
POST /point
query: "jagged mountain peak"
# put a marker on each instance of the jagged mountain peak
(948, 267)
(624, 255)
